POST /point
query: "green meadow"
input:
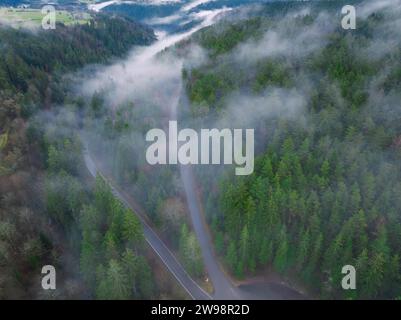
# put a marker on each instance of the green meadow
(19, 17)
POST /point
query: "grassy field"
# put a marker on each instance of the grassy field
(21, 17)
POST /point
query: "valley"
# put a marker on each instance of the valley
(284, 168)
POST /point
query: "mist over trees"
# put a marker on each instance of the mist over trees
(326, 187)
(47, 207)
(326, 191)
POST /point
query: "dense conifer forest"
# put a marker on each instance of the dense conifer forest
(326, 188)
(47, 210)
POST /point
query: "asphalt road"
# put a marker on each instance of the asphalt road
(158, 246)
(223, 288)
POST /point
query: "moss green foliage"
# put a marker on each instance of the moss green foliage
(114, 135)
(190, 252)
(112, 239)
(32, 63)
(220, 41)
(46, 206)
(209, 85)
(33, 17)
(325, 194)
(107, 234)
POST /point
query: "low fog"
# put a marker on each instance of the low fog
(151, 78)
(146, 89)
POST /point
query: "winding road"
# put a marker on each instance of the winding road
(154, 241)
(224, 288)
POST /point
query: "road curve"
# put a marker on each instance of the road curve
(158, 246)
(223, 287)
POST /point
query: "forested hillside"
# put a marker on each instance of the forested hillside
(116, 137)
(30, 59)
(48, 210)
(325, 192)
(326, 189)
